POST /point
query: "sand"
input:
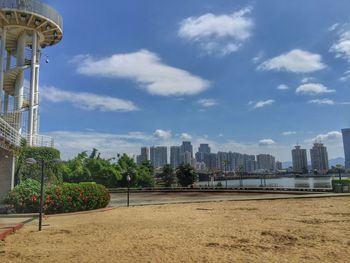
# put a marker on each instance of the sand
(307, 230)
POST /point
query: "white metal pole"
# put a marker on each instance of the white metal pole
(8, 67)
(32, 87)
(2, 60)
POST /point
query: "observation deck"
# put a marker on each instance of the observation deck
(18, 15)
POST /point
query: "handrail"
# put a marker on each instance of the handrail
(36, 7)
(9, 134)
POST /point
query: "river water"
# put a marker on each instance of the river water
(290, 182)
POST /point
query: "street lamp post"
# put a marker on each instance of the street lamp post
(128, 179)
(32, 161)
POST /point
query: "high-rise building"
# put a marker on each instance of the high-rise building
(346, 142)
(159, 156)
(204, 148)
(203, 154)
(266, 162)
(187, 158)
(319, 158)
(249, 163)
(212, 163)
(187, 147)
(223, 162)
(175, 156)
(278, 166)
(299, 158)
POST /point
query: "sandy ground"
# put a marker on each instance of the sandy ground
(308, 230)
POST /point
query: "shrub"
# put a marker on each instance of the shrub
(343, 182)
(58, 198)
(25, 197)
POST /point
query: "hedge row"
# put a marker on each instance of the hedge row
(65, 198)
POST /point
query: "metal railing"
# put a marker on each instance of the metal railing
(36, 7)
(40, 140)
(9, 134)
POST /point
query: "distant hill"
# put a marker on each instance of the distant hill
(332, 162)
(339, 160)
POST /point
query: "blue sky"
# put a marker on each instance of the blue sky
(246, 76)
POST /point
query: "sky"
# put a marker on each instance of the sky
(244, 76)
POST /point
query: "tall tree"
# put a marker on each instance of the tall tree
(186, 175)
(168, 175)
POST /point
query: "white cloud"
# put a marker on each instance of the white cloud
(283, 87)
(322, 101)
(161, 134)
(333, 27)
(261, 104)
(146, 69)
(307, 79)
(185, 136)
(207, 103)
(313, 89)
(266, 142)
(297, 61)
(288, 133)
(328, 102)
(342, 47)
(330, 136)
(218, 34)
(346, 76)
(88, 101)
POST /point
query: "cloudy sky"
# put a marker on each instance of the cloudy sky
(246, 76)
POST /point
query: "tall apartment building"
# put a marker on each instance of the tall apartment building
(299, 158)
(223, 161)
(346, 142)
(187, 147)
(186, 153)
(278, 166)
(249, 163)
(175, 156)
(159, 156)
(319, 158)
(204, 148)
(266, 162)
(212, 163)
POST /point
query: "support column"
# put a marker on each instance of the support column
(2, 60)
(33, 88)
(20, 57)
(7, 169)
(6, 96)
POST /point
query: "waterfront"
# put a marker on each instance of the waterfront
(290, 182)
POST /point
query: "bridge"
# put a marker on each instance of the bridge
(26, 27)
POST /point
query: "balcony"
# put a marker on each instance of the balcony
(34, 7)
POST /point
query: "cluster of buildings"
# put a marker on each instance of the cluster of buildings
(205, 160)
(319, 156)
(319, 159)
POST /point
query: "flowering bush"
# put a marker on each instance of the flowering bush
(63, 198)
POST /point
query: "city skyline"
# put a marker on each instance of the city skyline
(252, 83)
(231, 160)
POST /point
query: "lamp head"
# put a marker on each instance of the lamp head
(31, 161)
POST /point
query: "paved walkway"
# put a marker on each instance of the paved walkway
(10, 224)
(155, 198)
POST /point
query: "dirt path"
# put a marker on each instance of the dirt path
(308, 230)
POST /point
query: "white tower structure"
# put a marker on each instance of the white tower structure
(26, 27)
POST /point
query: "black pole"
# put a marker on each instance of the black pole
(339, 171)
(128, 193)
(41, 195)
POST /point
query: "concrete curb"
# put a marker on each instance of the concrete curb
(10, 231)
(82, 212)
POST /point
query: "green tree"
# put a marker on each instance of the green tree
(168, 175)
(186, 175)
(25, 171)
